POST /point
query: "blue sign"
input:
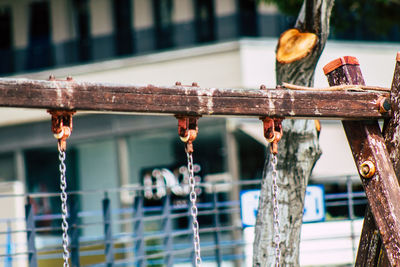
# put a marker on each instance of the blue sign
(314, 205)
(249, 206)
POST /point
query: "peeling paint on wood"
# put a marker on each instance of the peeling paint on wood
(382, 190)
(187, 100)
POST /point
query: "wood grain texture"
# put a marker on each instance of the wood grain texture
(187, 100)
(382, 190)
(370, 252)
(298, 150)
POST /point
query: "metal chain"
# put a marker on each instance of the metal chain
(275, 193)
(194, 210)
(64, 210)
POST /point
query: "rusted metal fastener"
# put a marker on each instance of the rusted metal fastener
(178, 83)
(367, 169)
(383, 104)
(195, 84)
(61, 126)
(187, 131)
(272, 132)
(263, 87)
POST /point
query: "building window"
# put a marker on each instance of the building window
(7, 167)
(248, 17)
(162, 10)
(204, 12)
(42, 176)
(83, 29)
(123, 26)
(39, 51)
(6, 55)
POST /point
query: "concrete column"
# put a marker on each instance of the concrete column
(226, 18)
(233, 166)
(142, 14)
(61, 29)
(123, 161)
(269, 20)
(19, 161)
(20, 17)
(102, 28)
(60, 21)
(143, 24)
(184, 24)
(182, 11)
(225, 7)
(20, 33)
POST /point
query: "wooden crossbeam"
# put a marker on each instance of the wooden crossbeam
(189, 100)
(382, 188)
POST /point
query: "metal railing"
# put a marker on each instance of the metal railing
(136, 231)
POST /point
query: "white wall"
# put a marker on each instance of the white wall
(98, 170)
(209, 70)
(13, 208)
(150, 150)
(377, 61)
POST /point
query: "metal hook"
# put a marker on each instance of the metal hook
(61, 126)
(273, 132)
(187, 131)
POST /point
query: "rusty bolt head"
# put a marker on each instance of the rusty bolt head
(263, 87)
(195, 84)
(383, 104)
(69, 78)
(367, 169)
(52, 77)
(178, 83)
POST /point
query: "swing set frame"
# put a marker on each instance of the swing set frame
(376, 153)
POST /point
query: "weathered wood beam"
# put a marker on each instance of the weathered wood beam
(391, 130)
(188, 100)
(382, 189)
(370, 252)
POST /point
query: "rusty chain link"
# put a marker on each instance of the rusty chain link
(194, 210)
(64, 209)
(275, 194)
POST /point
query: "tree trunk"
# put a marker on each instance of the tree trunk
(297, 154)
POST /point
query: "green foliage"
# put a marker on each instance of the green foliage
(366, 19)
(287, 7)
(356, 19)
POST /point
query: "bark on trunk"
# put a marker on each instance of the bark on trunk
(298, 152)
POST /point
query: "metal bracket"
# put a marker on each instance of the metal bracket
(61, 126)
(273, 132)
(187, 131)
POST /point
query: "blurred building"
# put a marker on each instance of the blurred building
(217, 43)
(53, 33)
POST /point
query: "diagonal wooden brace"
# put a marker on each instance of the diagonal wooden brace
(382, 188)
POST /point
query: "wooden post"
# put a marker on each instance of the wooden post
(368, 145)
(370, 252)
(392, 128)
